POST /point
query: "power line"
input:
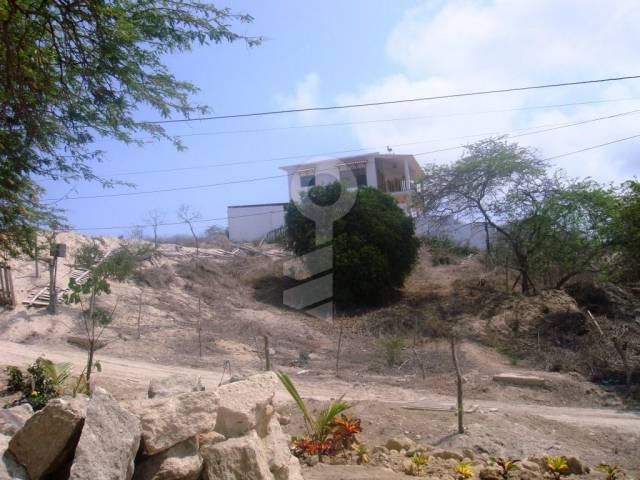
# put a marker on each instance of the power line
(271, 177)
(395, 102)
(592, 147)
(394, 119)
(338, 152)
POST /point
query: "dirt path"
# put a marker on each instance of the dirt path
(130, 378)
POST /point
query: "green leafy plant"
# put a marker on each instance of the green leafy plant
(391, 347)
(612, 472)
(15, 379)
(463, 470)
(506, 465)
(362, 454)
(58, 373)
(328, 432)
(417, 464)
(557, 466)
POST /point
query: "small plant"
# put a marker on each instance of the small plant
(557, 466)
(362, 454)
(417, 463)
(612, 472)
(328, 433)
(505, 465)
(15, 379)
(391, 346)
(463, 470)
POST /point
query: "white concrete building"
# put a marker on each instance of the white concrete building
(391, 173)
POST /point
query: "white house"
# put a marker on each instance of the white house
(391, 173)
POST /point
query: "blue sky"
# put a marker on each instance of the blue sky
(328, 52)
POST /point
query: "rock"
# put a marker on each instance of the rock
(243, 405)
(576, 467)
(380, 449)
(282, 464)
(490, 473)
(353, 472)
(109, 441)
(446, 455)
(519, 380)
(174, 385)
(48, 439)
(528, 465)
(13, 419)
(312, 460)
(468, 453)
(9, 468)
(171, 420)
(284, 419)
(180, 462)
(236, 459)
(400, 443)
(210, 438)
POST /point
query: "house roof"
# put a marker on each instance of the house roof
(413, 164)
(279, 204)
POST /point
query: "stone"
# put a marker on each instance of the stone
(9, 468)
(282, 464)
(170, 420)
(174, 385)
(519, 380)
(528, 465)
(446, 455)
(284, 419)
(400, 443)
(352, 472)
(576, 467)
(180, 462)
(380, 449)
(490, 473)
(109, 441)
(210, 438)
(236, 459)
(244, 404)
(13, 419)
(48, 439)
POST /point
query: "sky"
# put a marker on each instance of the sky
(333, 52)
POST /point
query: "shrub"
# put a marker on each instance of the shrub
(44, 380)
(374, 246)
(15, 380)
(444, 245)
(391, 347)
(416, 464)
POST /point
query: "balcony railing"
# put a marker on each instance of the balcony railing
(393, 185)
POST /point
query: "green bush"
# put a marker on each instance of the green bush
(445, 245)
(374, 245)
(391, 347)
(43, 381)
(15, 379)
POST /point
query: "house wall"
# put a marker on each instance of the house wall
(248, 223)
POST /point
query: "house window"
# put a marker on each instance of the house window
(357, 174)
(307, 180)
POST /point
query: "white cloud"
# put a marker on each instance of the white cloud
(306, 95)
(476, 45)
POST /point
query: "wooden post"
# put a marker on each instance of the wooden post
(459, 384)
(267, 354)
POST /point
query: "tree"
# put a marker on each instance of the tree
(374, 247)
(550, 226)
(73, 72)
(155, 217)
(117, 266)
(189, 215)
(625, 230)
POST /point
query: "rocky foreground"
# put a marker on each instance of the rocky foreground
(182, 432)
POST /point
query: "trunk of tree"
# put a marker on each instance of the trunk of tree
(91, 334)
(487, 239)
(90, 361)
(155, 236)
(456, 365)
(53, 267)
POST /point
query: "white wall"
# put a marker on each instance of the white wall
(252, 222)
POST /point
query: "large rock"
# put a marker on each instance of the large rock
(241, 458)
(576, 467)
(108, 443)
(246, 405)
(13, 419)
(174, 385)
(180, 462)
(283, 465)
(400, 443)
(171, 420)
(48, 439)
(9, 468)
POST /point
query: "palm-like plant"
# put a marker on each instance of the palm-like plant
(362, 452)
(505, 465)
(318, 428)
(557, 466)
(57, 374)
(612, 472)
(416, 466)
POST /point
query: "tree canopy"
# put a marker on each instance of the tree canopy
(374, 245)
(72, 72)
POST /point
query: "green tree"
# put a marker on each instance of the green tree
(625, 229)
(117, 266)
(374, 245)
(75, 72)
(550, 227)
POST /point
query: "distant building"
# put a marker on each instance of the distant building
(391, 173)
